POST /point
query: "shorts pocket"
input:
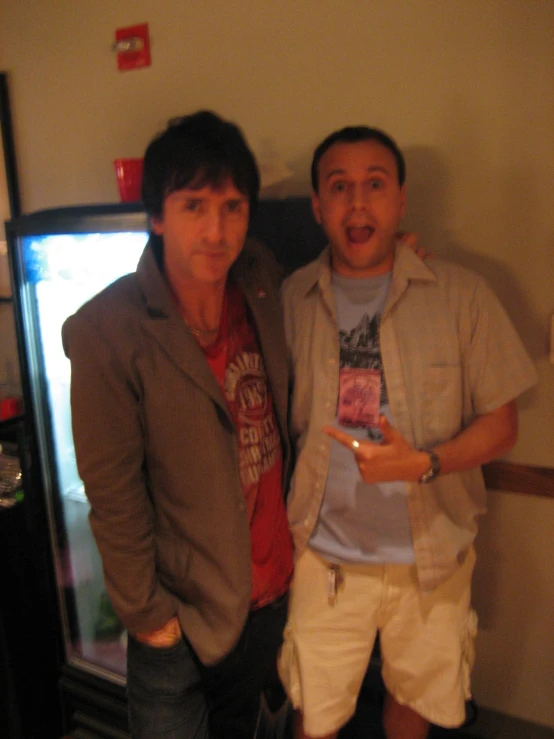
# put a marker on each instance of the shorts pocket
(468, 652)
(287, 665)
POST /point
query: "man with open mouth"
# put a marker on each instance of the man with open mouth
(413, 368)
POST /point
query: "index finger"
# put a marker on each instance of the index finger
(343, 438)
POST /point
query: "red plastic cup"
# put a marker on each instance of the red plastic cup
(9, 408)
(129, 179)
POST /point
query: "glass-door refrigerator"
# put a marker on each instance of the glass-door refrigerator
(61, 258)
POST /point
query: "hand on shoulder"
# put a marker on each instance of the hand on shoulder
(411, 240)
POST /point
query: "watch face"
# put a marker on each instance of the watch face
(433, 470)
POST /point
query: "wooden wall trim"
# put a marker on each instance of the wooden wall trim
(520, 478)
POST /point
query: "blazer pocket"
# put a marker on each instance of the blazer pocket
(173, 558)
(443, 403)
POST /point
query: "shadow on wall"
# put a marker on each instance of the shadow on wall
(429, 214)
(297, 184)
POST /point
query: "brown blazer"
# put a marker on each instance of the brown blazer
(157, 451)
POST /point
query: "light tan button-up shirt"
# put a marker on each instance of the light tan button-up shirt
(449, 353)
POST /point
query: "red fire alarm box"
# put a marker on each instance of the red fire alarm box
(132, 45)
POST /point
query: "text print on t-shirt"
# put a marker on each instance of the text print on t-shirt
(361, 389)
(246, 389)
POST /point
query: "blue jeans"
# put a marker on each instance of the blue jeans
(172, 695)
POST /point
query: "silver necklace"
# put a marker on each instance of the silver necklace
(201, 331)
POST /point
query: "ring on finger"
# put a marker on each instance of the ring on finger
(355, 444)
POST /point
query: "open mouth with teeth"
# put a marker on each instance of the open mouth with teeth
(359, 234)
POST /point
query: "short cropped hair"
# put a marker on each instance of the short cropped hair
(352, 135)
(194, 151)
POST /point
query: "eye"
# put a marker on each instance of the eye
(192, 205)
(234, 206)
(375, 184)
(339, 186)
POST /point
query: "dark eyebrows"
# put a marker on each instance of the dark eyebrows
(370, 170)
(186, 194)
(379, 168)
(334, 172)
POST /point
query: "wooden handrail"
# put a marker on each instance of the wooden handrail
(519, 478)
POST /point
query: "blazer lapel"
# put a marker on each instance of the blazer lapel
(165, 325)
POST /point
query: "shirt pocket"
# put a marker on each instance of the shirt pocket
(442, 402)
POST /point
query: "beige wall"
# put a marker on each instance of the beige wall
(467, 88)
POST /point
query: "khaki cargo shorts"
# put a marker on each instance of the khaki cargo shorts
(426, 641)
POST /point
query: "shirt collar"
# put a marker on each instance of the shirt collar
(407, 266)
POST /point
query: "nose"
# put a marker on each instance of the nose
(358, 197)
(214, 226)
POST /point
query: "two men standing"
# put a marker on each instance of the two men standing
(179, 403)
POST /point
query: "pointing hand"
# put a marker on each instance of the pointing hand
(392, 459)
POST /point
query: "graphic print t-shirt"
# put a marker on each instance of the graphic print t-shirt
(236, 361)
(360, 522)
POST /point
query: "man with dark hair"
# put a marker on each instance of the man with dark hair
(414, 368)
(178, 398)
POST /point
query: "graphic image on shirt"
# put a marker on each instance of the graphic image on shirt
(362, 389)
(245, 389)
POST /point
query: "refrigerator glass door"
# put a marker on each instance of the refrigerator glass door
(63, 271)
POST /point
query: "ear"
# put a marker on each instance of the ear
(316, 207)
(157, 225)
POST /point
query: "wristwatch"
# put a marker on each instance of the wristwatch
(434, 468)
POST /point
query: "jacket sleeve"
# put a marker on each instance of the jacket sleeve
(110, 452)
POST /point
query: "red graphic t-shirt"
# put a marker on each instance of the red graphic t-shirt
(236, 361)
